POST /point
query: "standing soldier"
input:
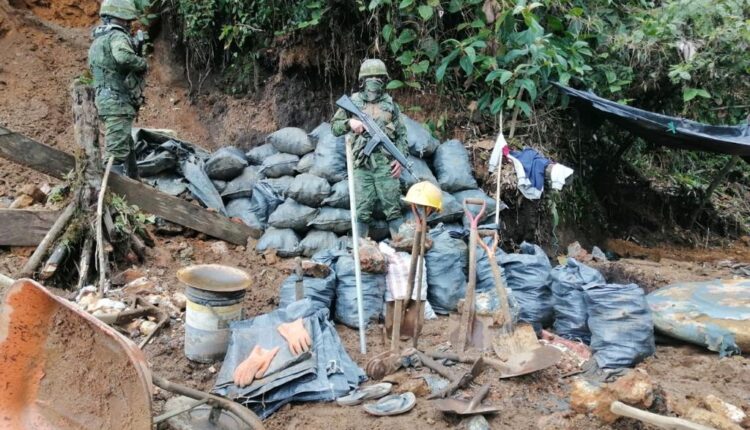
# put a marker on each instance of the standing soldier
(119, 71)
(376, 176)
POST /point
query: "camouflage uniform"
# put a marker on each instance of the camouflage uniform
(119, 81)
(373, 181)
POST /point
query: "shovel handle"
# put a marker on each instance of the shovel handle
(474, 220)
(481, 394)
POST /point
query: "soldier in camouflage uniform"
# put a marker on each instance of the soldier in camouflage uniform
(119, 73)
(376, 176)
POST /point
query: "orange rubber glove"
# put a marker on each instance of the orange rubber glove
(296, 336)
(254, 366)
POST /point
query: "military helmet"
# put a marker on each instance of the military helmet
(425, 193)
(372, 67)
(123, 9)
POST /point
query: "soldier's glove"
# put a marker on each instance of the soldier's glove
(254, 366)
(296, 336)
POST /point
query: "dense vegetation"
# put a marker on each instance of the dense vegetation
(687, 58)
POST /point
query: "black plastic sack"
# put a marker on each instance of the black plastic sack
(219, 185)
(421, 172)
(226, 163)
(257, 155)
(284, 241)
(489, 210)
(279, 165)
(309, 189)
(242, 208)
(446, 266)
(157, 162)
(571, 313)
(318, 240)
(242, 186)
(280, 185)
(339, 197)
(200, 185)
(452, 166)
(332, 219)
(622, 330)
(305, 163)
(168, 183)
(291, 140)
(264, 201)
(528, 275)
(373, 294)
(421, 142)
(291, 214)
(330, 155)
(320, 290)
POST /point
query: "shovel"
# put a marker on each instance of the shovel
(462, 407)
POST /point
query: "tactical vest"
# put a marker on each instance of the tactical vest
(382, 112)
(109, 82)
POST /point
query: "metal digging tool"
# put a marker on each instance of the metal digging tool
(462, 407)
(470, 331)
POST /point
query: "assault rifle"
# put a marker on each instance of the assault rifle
(377, 137)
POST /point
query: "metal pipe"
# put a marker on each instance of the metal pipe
(355, 244)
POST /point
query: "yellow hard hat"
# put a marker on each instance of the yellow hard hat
(425, 193)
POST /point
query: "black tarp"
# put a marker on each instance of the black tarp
(673, 132)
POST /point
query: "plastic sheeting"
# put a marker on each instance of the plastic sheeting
(568, 285)
(622, 331)
(327, 372)
(678, 133)
(201, 186)
(528, 275)
(264, 201)
(713, 314)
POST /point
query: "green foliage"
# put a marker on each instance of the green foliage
(128, 219)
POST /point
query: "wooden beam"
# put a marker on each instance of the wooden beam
(30, 153)
(25, 227)
(56, 163)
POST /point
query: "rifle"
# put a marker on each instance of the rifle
(140, 40)
(377, 137)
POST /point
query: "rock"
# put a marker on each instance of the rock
(575, 250)
(635, 389)
(132, 327)
(140, 286)
(589, 398)
(86, 297)
(476, 422)
(186, 252)
(22, 201)
(370, 257)
(310, 269)
(147, 327)
(728, 410)
(161, 257)
(127, 276)
(220, 248)
(104, 307)
(179, 300)
(598, 254)
(5, 202)
(717, 421)
(37, 195)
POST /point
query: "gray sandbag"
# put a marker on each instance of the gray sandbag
(452, 167)
(280, 185)
(318, 240)
(157, 162)
(226, 163)
(421, 142)
(568, 285)
(528, 275)
(421, 172)
(242, 186)
(339, 197)
(284, 241)
(320, 290)
(373, 294)
(167, 183)
(330, 156)
(332, 219)
(280, 164)
(489, 210)
(309, 189)
(305, 163)
(258, 155)
(446, 266)
(291, 214)
(291, 140)
(264, 201)
(219, 185)
(622, 330)
(318, 132)
(242, 208)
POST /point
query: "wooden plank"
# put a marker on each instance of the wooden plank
(25, 227)
(30, 153)
(57, 163)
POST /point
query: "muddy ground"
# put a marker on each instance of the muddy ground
(43, 48)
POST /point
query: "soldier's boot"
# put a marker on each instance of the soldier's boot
(393, 226)
(363, 228)
(131, 167)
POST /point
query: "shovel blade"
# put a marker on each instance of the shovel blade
(523, 363)
(461, 407)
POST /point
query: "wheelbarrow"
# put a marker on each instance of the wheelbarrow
(61, 368)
